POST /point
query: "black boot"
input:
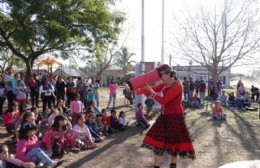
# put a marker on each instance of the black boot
(173, 165)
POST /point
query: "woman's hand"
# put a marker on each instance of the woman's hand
(148, 87)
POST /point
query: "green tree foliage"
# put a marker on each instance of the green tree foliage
(31, 28)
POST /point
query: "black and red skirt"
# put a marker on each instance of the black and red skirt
(169, 133)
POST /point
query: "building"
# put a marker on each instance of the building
(65, 72)
(198, 72)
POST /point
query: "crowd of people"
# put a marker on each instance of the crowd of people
(194, 96)
(68, 120)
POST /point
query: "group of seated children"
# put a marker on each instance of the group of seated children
(66, 131)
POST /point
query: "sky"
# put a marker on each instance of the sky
(153, 27)
(131, 34)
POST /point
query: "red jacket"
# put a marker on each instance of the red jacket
(11, 117)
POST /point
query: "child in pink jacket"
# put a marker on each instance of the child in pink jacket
(54, 139)
(28, 148)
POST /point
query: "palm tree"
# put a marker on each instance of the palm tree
(123, 59)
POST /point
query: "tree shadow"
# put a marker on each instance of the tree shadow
(245, 130)
(120, 137)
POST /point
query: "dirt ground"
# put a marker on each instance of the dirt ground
(216, 143)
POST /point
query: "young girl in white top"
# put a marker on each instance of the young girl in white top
(122, 119)
(83, 132)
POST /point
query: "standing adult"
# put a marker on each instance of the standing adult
(219, 86)
(255, 93)
(60, 88)
(34, 85)
(47, 91)
(81, 89)
(95, 87)
(202, 90)
(191, 88)
(241, 90)
(9, 77)
(186, 89)
(69, 86)
(52, 81)
(112, 92)
(2, 94)
(197, 85)
(238, 84)
(169, 132)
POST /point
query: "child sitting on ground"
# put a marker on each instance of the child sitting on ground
(114, 123)
(217, 112)
(231, 99)
(91, 123)
(247, 100)
(84, 134)
(53, 140)
(149, 102)
(122, 119)
(99, 123)
(28, 148)
(8, 160)
(195, 101)
(106, 122)
(223, 98)
(11, 117)
(141, 121)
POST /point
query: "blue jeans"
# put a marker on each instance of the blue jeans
(219, 116)
(37, 155)
(97, 100)
(112, 96)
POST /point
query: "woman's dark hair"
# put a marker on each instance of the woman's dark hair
(25, 116)
(167, 70)
(113, 111)
(91, 115)
(33, 108)
(99, 115)
(112, 80)
(103, 110)
(78, 118)
(121, 113)
(57, 120)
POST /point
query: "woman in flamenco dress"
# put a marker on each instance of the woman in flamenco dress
(169, 132)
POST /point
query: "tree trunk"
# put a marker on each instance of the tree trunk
(214, 74)
(29, 66)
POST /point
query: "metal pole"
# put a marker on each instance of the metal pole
(162, 56)
(170, 60)
(142, 36)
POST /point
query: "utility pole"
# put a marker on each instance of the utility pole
(170, 60)
(162, 56)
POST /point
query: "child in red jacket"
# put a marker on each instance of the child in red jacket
(11, 117)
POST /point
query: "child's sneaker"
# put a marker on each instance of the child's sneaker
(56, 163)
(75, 149)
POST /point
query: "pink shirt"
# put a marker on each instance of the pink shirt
(25, 146)
(51, 136)
(76, 106)
(112, 87)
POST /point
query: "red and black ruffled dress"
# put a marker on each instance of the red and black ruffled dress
(169, 132)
